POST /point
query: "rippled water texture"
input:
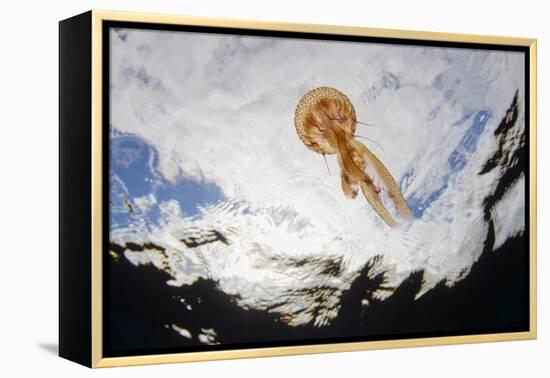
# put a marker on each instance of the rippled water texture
(209, 180)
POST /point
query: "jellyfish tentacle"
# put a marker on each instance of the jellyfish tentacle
(326, 163)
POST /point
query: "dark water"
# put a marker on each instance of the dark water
(492, 298)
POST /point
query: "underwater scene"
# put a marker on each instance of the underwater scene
(283, 191)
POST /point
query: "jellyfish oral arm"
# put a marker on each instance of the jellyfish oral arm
(360, 167)
(353, 175)
(382, 175)
(349, 188)
(343, 143)
(373, 199)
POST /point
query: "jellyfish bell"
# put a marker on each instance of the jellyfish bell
(318, 113)
(326, 122)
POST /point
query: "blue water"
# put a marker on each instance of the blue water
(457, 160)
(134, 173)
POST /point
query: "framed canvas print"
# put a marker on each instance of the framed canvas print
(235, 189)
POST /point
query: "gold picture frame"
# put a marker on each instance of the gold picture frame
(89, 331)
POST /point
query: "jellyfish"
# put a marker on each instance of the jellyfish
(325, 122)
